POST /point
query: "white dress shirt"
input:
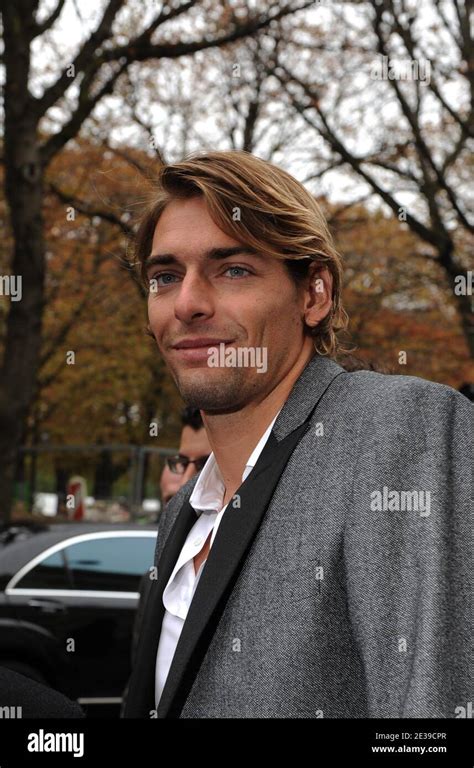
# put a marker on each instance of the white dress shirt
(206, 498)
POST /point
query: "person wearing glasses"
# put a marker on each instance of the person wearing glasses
(194, 450)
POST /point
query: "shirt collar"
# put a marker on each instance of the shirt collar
(208, 493)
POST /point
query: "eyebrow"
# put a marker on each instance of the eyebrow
(214, 254)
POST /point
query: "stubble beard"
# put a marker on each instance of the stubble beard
(201, 388)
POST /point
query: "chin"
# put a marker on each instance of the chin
(217, 390)
(211, 396)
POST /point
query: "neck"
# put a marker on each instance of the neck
(233, 436)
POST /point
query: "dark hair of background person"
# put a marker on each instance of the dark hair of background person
(191, 417)
(467, 390)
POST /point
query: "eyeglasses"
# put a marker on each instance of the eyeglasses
(179, 463)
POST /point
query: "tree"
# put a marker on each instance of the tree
(401, 316)
(388, 90)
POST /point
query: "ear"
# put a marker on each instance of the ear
(318, 295)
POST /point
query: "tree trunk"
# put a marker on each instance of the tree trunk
(464, 300)
(24, 190)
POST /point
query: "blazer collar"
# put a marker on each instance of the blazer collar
(306, 393)
(233, 540)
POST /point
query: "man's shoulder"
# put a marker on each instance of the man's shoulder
(396, 390)
(406, 408)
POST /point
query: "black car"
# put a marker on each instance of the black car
(68, 597)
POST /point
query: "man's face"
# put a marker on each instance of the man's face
(194, 445)
(244, 300)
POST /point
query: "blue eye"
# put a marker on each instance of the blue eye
(242, 269)
(160, 275)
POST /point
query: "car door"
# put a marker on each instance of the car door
(93, 618)
(37, 602)
(105, 571)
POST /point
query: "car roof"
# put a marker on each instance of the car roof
(19, 544)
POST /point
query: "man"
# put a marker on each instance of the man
(319, 566)
(193, 452)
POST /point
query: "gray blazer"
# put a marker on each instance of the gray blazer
(338, 584)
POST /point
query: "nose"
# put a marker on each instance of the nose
(194, 299)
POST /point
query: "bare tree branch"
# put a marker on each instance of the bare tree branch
(140, 50)
(132, 161)
(89, 210)
(82, 60)
(58, 140)
(39, 29)
(354, 162)
(425, 155)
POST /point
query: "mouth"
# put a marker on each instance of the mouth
(197, 349)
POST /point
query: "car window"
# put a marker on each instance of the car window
(111, 564)
(50, 573)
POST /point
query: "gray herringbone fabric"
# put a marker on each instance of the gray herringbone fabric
(339, 610)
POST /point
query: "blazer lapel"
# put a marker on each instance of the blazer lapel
(235, 534)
